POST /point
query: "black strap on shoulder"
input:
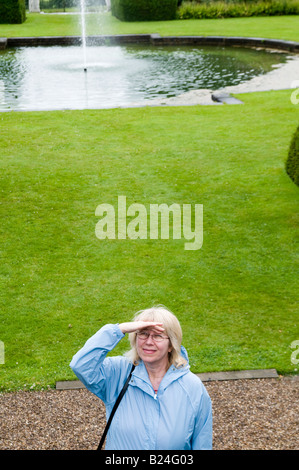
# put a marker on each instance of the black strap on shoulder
(123, 391)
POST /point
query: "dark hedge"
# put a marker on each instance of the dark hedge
(144, 10)
(292, 163)
(12, 11)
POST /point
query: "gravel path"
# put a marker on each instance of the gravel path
(248, 414)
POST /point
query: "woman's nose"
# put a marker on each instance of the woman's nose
(150, 339)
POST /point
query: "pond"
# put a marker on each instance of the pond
(49, 78)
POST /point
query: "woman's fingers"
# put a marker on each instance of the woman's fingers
(155, 326)
(130, 327)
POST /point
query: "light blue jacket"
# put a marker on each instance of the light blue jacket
(179, 417)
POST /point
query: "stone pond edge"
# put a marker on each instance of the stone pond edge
(151, 39)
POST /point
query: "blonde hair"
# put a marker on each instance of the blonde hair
(172, 329)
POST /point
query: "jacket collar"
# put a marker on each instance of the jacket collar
(141, 379)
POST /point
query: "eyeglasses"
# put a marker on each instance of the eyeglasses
(143, 335)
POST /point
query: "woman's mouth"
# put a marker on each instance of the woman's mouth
(149, 351)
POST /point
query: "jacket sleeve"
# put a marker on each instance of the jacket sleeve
(202, 437)
(102, 376)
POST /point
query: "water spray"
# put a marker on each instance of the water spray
(83, 33)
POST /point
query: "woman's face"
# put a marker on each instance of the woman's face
(153, 352)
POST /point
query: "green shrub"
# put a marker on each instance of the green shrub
(144, 10)
(12, 11)
(292, 163)
(233, 9)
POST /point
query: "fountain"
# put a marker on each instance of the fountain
(123, 71)
(50, 77)
(83, 32)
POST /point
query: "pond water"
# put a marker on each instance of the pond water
(48, 78)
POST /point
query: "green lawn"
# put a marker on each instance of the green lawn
(276, 27)
(236, 297)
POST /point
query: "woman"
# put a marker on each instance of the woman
(165, 406)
